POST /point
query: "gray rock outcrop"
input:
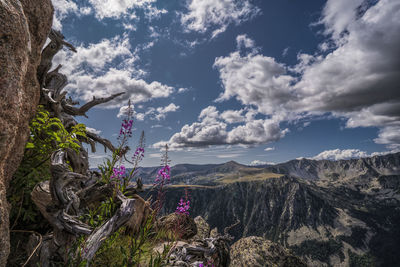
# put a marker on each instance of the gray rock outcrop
(25, 25)
(203, 229)
(257, 251)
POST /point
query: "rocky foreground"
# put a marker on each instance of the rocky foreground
(201, 246)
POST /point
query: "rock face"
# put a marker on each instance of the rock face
(257, 251)
(25, 25)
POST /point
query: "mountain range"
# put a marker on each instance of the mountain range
(330, 213)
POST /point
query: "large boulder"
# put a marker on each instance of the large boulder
(25, 25)
(180, 225)
(203, 228)
(257, 251)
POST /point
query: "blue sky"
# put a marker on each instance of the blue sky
(250, 81)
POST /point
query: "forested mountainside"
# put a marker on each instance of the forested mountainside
(329, 212)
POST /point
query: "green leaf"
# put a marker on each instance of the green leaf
(29, 145)
(83, 134)
(40, 120)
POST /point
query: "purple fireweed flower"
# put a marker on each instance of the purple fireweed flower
(139, 154)
(118, 173)
(183, 207)
(163, 175)
(126, 128)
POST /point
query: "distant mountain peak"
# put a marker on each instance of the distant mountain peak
(232, 162)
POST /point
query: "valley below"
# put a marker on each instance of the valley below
(330, 213)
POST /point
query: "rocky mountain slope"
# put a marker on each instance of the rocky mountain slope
(376, 176)
(331, 213)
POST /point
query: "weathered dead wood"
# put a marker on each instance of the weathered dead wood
(56, 81)
(69, 109)
(72, 225)
(72, 188)
(41, 196)
(56, 44)
(94, 194)
(64, 197)
(64, 183)
(52, 91)
(54, 98)
(104, 142)
(96, 239)
(214, 250)
(142, 213)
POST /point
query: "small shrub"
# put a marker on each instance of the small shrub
(47, 135)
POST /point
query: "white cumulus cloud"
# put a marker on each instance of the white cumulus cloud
(216, 15)
(243, 41)
(357, 80)
(260, 162)
(162, 111)
(338, 154)
(254, 79)
(212, 129)
(154, 113)
(106, 68)
(117, 8)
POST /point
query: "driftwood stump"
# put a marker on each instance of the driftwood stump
(73, 187)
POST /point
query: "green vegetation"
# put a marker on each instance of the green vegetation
(127, 250)
(123, 248)
(46, 136)
(319, 250)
